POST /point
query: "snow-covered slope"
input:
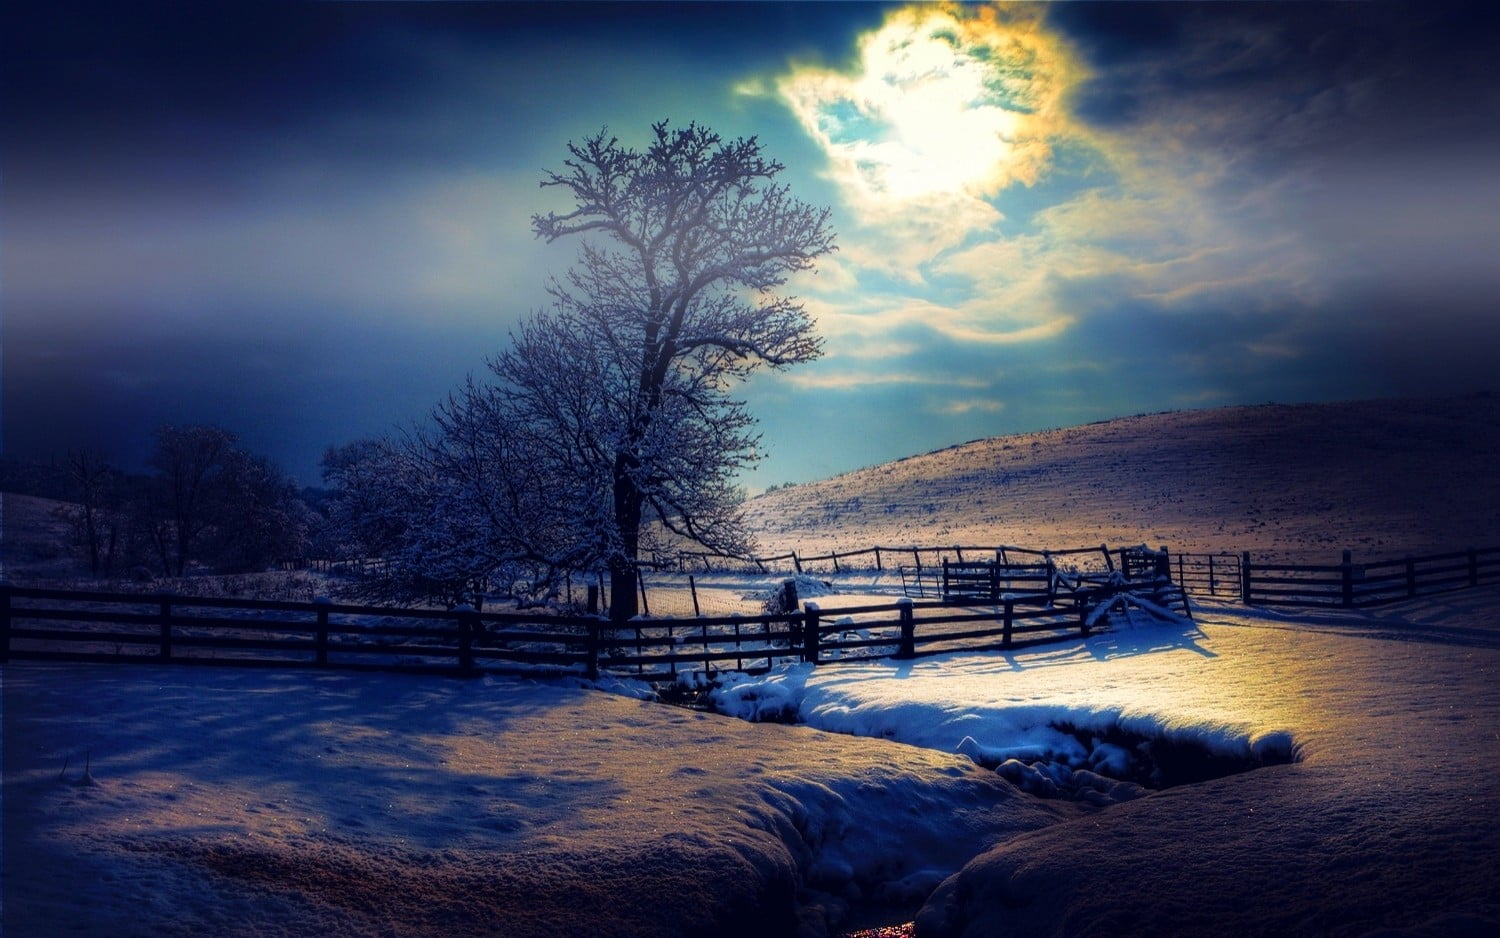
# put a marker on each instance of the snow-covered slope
(1296, 481)
(1391, 825)
(170, 800)
(34, 537)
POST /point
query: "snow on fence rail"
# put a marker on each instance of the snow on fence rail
(44, 624)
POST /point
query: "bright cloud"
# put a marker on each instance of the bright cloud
(980, 212)
(945, 100)
(844, 380)
(944, 108)
(970, 405)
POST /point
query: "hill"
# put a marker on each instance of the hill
(34, 538)
(1299, 481)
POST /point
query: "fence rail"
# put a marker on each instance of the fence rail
(990, 596)
(1346, 583)
(44, 624)
(878, 559)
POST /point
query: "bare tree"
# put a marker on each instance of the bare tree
(674, 298)
(185, 460)
(211, 501)
(93, 516)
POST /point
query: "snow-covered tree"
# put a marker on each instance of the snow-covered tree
(625, 384)
(464, 506)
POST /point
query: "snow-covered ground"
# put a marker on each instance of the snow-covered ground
(298, 803)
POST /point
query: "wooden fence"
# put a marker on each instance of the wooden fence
(1346, 583)
(42, 624)
(877, 559)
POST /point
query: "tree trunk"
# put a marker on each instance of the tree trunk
(623, 598)
(183, 538)
(91, 532)
(622, 571)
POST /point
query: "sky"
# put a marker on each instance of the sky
(307, 223)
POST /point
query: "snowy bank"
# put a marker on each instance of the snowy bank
(1064, 703)
(1390, 826)
(1391, 821)
(250, 802)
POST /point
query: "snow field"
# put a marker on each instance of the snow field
(1390, 825)
(250, 802)
(253, 802)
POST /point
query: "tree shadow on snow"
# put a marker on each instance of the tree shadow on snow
(1469, 618)
(362, 755)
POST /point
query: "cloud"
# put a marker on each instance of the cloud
(848, 380)
(944, 107)
(970, 405)
(417, 249)
(944, 100)
(1014, 175)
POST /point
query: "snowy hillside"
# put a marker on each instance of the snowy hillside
(34, 539)
(1299, 481)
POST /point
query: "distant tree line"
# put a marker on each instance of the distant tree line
(207, 504)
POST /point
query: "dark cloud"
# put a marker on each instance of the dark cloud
(286, 394)
(1284, 78)
(303, 222)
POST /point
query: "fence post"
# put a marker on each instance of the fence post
(591, 649)
(1010, 608)
(467, 624)
(789, 600)
(693, 588)
(908, 629)
(796, 562)
(166, 627)
(1211, 582)
(4, 621)
(1473, 572)
(640, 579)
(1346, 574)
(835, 556)
(810, 634)
(881, 569)
(322, 603)
(1245, 578)
(1411, 575)
(1162, 576)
